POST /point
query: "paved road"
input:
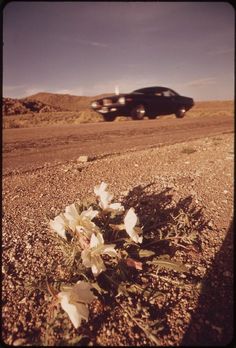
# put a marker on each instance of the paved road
(29, 148)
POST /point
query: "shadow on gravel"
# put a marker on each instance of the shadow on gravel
(155, 210)
(212, 322)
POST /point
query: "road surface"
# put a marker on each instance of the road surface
(29, 148)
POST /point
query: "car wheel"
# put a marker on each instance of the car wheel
(181, 112)
(109, 118)
(138, 112)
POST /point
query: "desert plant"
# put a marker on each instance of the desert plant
(106, 252)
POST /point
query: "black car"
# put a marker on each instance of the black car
(149, 101)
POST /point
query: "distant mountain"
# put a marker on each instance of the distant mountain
(47, 102)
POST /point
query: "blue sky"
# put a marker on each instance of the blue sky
(88, 48)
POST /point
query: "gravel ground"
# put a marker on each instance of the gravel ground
(196, 310)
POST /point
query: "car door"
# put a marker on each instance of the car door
(169, 102)
(153, 101)
(161, 103)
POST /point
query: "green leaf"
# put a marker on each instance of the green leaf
(146, 253)
(176, 266)
(163, 257)
(127, 288)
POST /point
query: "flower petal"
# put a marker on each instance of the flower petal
(83, 310)
(81, 292)
(59, 225)
(86, 226)
(109, 249)
(72, 216)
(100, 188)
(117, 207)
(96, 240)
(135, 236)
(86, 257)
(105, 199)
(97, 265)
(89, 213)
(71, 298)
(130, 219)
(70, 309)
(71, 211)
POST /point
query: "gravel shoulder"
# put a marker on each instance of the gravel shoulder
(197, 174)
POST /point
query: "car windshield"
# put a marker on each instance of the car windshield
(137, 92)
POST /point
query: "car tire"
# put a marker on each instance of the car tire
(138, 112)
(109, 118)
(181, 112)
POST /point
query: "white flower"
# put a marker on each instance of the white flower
(91, 256)
(74, 301)
(116, 207)
(72, 213)
(104, 196)
(130, 222)
(81, 222)
(99, 189)
(105, 199)
(59, 224)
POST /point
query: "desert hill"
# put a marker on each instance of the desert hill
(13, 106)
(66, 102)
(47, 102)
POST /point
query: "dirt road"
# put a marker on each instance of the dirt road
(28, 148)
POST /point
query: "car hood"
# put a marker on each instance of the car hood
(115, 96)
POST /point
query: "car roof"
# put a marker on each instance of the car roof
(151, 89)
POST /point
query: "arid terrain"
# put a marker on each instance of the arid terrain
(43, 109)
(49, 109)
(162, 168)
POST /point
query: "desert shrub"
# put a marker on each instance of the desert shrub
(112, 256)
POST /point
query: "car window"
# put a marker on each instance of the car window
(145, 91)
(156, 91)
(168, 93)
